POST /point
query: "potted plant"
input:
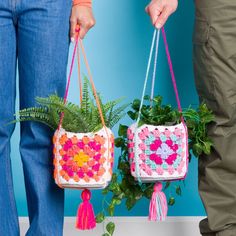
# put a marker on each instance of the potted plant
(123, 187)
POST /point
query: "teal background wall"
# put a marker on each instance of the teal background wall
(118, 49)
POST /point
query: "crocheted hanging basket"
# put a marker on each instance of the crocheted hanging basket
(83, 160)
(158, 153)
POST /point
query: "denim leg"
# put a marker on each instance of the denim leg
(9, 225)
(43, 43)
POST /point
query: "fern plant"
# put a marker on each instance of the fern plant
(78, 119)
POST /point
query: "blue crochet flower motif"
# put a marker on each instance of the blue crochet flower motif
(175, 165)
(148, 141)
(151, 164)
(147, 152)
(152, 138)
(180, 150)
(173, 137)
(164, 166)
(179, 159)
(177, 162)
(163, 138)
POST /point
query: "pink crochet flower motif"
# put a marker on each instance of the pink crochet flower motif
(147, 169)
(130, 134)
(80, 145)
(183, 154)
(159, 171)
(170, 144)
(170, 160)
(157, 159)
(90, 173)
(96, 167)
(142, 146)
(132, 167)
(143, 166)
(67, 145)
(167, 133)
(156, 133)
(65, 158)
(146, 131)
(142, 136)
(167, 153)
(171, 170)
(143, 156)
(155, 145)
(93, 145)
(81, 174)
(131, 145)
(131, 155)
(75, 148)
(178, 132)
(180, 167)
(97, 157)
(70, 172)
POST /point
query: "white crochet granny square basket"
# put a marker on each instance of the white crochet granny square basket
(158, 153)
(83, 160)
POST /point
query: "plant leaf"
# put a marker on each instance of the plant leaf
(110, 227)
(100, 217)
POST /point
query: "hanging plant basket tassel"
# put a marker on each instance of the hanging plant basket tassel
(158, 206)
(85, 216)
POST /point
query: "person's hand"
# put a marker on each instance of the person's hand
(82, 16)
(160, 10)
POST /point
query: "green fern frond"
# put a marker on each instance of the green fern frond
(84, 118)
(116, 119)
(113, 103)
(85, 105)
(118, 112)
(43, 120)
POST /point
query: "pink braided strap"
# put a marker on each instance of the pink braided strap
(171, 69)
(69, 80)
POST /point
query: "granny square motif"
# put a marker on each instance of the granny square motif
(83, 160)
(158, 152)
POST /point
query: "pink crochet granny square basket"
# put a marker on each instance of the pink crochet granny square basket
(158, 153)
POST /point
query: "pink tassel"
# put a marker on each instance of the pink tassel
(158, 206)
(85, 216)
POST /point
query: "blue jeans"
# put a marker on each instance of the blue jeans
(34, 33)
